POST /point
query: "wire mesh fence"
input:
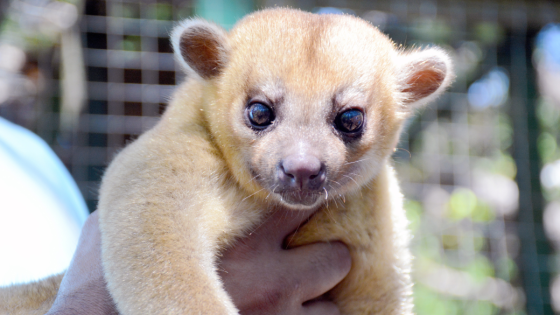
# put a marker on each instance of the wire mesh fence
(469, 164)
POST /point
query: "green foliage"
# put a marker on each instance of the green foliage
(548, 115)
(132, 43)
(456, 241)
(489, 33)
(551, 194)
(506, 269)
(12, 32)
(464, 204)
(428, 302)
(501, 163)
(163, 11)
(450, 241)
(428, 248)
(480, 308)
(74, 2)
(547, 146)
(505, 131)
(432, 30)
(413, 213)
(478, 241)
(482, 212)
(505, 165)
(461, 204)
(131, 10)
(480, 269)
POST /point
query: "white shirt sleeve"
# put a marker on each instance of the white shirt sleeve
(41, 208)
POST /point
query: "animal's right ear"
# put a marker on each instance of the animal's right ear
(201, 47)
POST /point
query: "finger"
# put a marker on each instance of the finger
(319, 267)
(279, 224)
(320, 308)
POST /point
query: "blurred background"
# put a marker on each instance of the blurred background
(480, 168)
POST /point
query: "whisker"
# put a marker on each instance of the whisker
(331, 216)
(334, 181)
(405, 150)
(351, 179)
(335, 190)
(354, 174)
(335, 202)
(358, 161)
(253, 194)
(262, 222)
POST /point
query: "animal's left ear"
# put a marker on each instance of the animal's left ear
(423, 76)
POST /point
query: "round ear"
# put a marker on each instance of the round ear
(423, 76)
(201, 47)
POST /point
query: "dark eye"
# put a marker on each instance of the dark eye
(260, 115)
(350, 121)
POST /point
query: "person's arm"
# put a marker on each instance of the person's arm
(260, 276)
(83, 289)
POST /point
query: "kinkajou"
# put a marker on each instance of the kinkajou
(287, 110)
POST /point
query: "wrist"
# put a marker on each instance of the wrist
(86, 302)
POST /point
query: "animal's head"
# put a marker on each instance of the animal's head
(306, 107)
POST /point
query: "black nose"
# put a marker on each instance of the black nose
(303, 172)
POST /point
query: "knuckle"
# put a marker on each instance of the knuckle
(334, 258)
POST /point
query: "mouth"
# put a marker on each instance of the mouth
(301, 198)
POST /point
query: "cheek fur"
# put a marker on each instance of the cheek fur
(262, 161)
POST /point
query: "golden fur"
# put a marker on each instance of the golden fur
(185, 190)
(34, 298)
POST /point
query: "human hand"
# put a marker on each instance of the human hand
(264, 278)
(83, 289)
(260, 276)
